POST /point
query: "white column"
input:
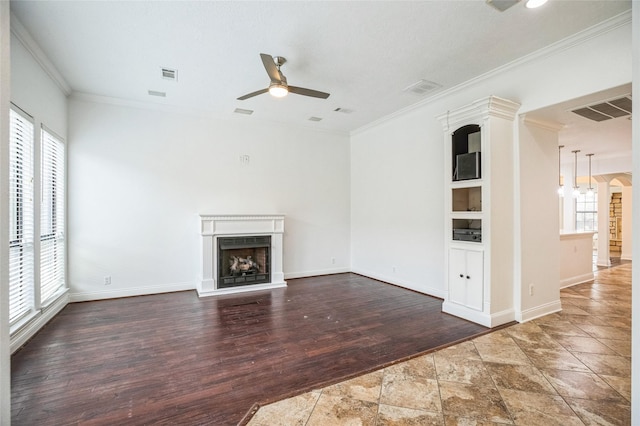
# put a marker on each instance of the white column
(206, 281)
(604, 198)
(627, 222)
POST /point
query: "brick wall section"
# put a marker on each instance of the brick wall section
(615, 223)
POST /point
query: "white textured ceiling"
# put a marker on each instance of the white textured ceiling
(363, 53)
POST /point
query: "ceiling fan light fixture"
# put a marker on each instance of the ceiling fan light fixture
(278, 90)
(532, 4)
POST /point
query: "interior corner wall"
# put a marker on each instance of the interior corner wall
(35, 92)
(139, 178)
(396, 203)
(397, 170)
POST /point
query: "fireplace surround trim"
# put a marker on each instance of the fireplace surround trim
(214, 226)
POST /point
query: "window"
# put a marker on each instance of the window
(587, 212)
(52, 238)
(21, 233)
(36, 268)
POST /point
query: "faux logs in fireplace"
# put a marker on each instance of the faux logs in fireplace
(243, 260)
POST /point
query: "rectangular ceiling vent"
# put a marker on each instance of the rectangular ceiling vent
(502, 5)
(315, 119)
(422, 87)
(170, 74)
(343, 110)
(157, 93)
(620, 107)
(243, 111)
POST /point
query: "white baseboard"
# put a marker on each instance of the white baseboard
(292, 275)
(242, 289)
(482, 318)
(129, 292)
(578, 279)
(40, 320)
(539, 311)
(430, 291)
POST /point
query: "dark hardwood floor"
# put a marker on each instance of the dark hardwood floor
(177, 359)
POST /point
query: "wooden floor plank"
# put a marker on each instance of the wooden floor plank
(178, 359)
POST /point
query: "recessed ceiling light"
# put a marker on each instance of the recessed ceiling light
(243, 111)
(156, 93)
(343, 110)
(532, 4)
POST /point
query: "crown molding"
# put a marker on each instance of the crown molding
(21, 33)
(553, 126)
(576, 39)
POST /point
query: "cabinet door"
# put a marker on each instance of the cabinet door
(475, 271)
(465, 278)
(457, 276)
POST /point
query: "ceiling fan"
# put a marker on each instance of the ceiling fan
(278, 86)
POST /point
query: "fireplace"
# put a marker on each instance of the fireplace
(240, 253)
(243, 260)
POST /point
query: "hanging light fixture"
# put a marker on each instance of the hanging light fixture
(560, 186)
(576, 188)
(590, 189)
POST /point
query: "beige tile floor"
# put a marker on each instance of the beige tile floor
(567, 368)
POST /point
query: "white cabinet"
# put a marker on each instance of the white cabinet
(480, 188)
(465, 278)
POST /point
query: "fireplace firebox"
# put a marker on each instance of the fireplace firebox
(243, 260)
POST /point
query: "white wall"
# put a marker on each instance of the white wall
(396, 203)
(139, 178)
(635, 337)
(5, 359)
(33, 90)
(537, 217)
(397, 171)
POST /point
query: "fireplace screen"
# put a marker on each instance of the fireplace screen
(243, 261)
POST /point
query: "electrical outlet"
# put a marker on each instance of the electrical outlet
(530, 289)
(394, 269)
(333, 260)
(107, 280)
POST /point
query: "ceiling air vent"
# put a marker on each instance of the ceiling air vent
(243, 111)
(170, 74)
(315, 118)
(421, 87)
(156, 93)
(620, 107)
(343, 110)
(502, 5)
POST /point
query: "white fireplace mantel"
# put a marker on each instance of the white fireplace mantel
(214, 226)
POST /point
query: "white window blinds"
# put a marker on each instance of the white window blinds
(52, 238)
(21, 233)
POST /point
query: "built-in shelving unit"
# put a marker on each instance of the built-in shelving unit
(479, 225)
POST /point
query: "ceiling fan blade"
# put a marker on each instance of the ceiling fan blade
(270, 66)
(252, 94)
(308, 92)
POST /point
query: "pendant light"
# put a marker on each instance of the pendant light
(560, 186)
(576, 188)
(590, 189)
